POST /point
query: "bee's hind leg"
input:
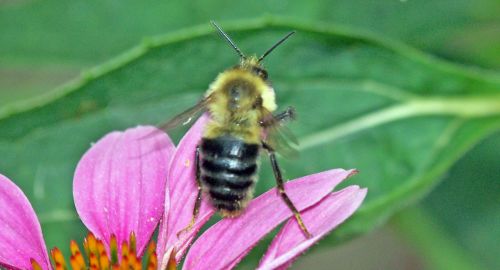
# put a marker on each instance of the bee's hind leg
(197, 204)
(281, 189)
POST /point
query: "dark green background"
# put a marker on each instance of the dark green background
(348, 60)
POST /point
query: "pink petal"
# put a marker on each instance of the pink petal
(20, 233)
(119, 184)
(322, 217)
(182, 195)
(226, 243)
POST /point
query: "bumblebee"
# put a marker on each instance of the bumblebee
(240, 104)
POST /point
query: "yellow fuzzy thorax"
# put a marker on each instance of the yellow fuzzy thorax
(238, 99)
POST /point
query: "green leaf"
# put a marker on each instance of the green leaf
(90, 31)
(401, 117)
(17, 83)
(433, 242)
(456, 226)
(467, 202)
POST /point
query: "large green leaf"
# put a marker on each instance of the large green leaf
(467, 202)
(399, 116)
(53, 31)
(42, 42)
(434, 244)
(17, 83)
(456, 226)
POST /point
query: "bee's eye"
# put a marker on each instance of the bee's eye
(263, 74)
(257, 103)
(260, 72)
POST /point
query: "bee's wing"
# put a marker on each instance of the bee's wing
(281, 138)
(181, 119)
(184, 117)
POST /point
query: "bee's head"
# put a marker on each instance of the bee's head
(253, 64)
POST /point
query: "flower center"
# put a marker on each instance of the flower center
(96, 257)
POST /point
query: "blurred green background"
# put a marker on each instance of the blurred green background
(433, 174)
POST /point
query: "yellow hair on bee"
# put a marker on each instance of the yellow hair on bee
(267, 92)
(237, 100)
(263, 89)
(269, 100)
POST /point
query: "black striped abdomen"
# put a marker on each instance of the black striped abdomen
(228, 172)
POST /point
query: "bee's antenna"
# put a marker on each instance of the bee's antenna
(276, 45)
(223, 34)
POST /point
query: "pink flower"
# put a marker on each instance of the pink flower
(118, 188)
(127, 181)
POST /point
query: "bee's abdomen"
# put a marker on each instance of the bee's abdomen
(228, 170)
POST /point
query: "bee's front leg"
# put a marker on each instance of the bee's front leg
(284, 116)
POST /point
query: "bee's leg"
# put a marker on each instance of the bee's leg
(197, 204)
(286, 115)
(281, 189)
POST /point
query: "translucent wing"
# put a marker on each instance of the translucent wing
(181, 119)
(278, 136)
(282, 140)
(185, 117)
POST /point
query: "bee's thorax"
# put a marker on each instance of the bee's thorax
(238, 99)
